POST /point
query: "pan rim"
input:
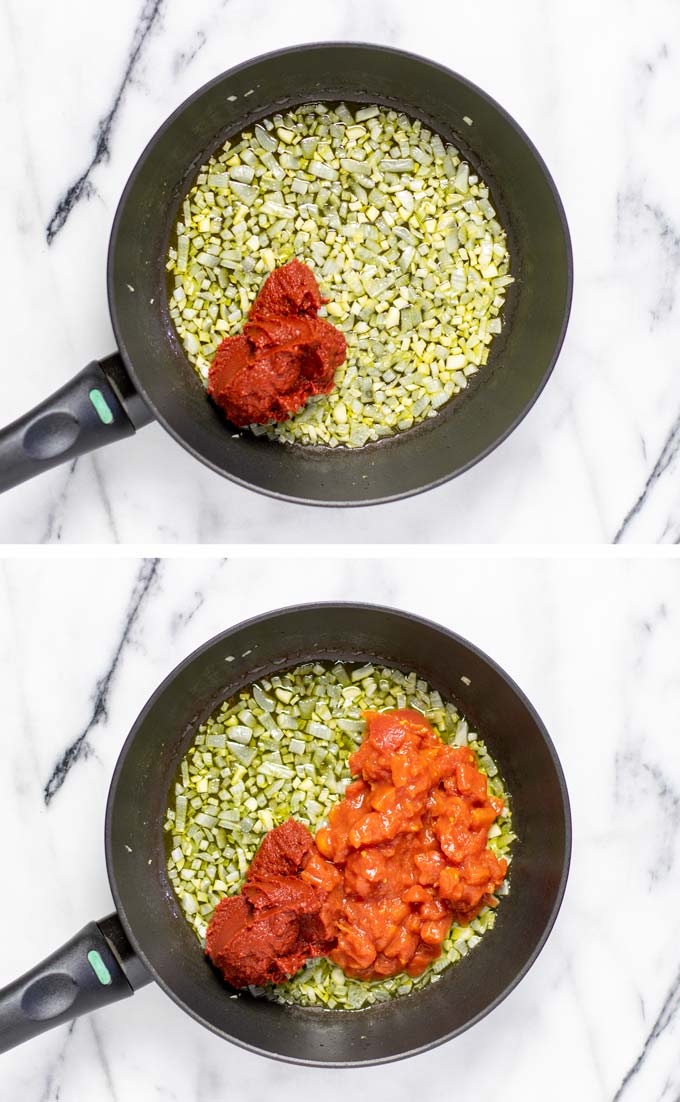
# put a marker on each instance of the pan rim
(239, 479)
(359, 607)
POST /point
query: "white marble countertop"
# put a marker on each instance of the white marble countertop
(85, 85)
(593, 644)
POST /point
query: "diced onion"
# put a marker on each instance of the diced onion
(400, 233)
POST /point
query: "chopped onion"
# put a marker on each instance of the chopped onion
(265, 140)
(243, 174)
(322, 170)
(398, 164)
(355, 168)
(400, 233)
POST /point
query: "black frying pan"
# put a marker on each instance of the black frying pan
(150, 376)
(149, 938)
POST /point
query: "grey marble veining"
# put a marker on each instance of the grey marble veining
(594, 646)
(595, 86)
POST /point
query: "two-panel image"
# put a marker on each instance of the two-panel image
(339, 729)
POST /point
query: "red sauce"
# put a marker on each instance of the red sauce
(404, 855)
(284, 355)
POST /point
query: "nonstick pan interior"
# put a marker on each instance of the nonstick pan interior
(135, 845)
(521, 358)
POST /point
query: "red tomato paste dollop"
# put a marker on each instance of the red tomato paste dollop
(403, 856)
(265, 934)
(284, 355)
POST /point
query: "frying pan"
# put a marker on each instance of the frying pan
(148, 937)
(149, 377)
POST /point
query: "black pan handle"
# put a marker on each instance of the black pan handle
(96, 407)
(96, 967)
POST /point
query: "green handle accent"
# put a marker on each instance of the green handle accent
(101, 406)
(98, 967)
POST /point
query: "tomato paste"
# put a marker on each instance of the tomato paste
(403, 856)
(265, 934)
(284, 355)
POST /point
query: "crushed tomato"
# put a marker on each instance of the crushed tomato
(410, 838)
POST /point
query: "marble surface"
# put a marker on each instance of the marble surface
(85, 85)
(594, 645)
